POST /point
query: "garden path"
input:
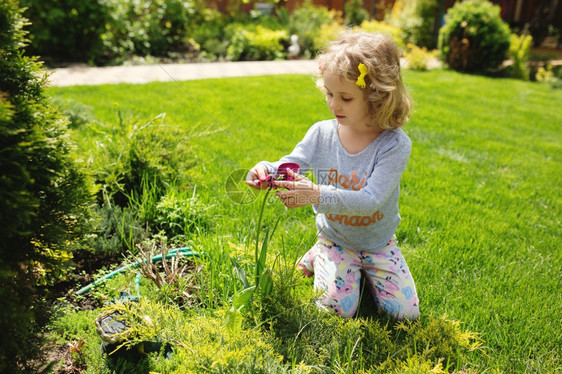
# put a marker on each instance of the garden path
(81, 75)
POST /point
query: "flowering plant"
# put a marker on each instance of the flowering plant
(281, 174)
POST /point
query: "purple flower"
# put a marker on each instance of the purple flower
(281, 174)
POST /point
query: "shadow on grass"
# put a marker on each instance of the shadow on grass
(133, 359)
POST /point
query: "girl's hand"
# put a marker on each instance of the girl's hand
(256, 175)
(300, 191)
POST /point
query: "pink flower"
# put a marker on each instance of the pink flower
(281, 174)
(350, 277)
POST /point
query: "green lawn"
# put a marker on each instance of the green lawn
(481, 196)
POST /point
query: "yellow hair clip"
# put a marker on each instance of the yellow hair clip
(361, 79)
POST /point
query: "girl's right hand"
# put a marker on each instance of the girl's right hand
(255, 175)
(300, 191)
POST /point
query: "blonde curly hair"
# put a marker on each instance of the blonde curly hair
(389, 103)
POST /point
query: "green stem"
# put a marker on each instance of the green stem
(258, 232)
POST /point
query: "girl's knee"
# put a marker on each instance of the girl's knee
(338, 309)
(400, 309)
(344, 306)
(412, 314)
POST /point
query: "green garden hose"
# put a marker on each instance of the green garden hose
(184, 252)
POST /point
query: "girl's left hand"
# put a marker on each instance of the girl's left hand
(300, 191)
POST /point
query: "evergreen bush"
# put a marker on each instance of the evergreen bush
(354, 13)
(474, 38)
(325, 35)
(210, 35)
(307, 21)
(382, 27)
(44, 196)
(249, 43)
(109, 31)
(519, 48)
(68, 30)
(418, 58)
(424, 34)
(158, 28)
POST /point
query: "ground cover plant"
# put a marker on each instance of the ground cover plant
(481, 208)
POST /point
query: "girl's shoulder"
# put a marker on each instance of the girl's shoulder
(325, 127)
(395, 135)
(395, 139)
(323, 130)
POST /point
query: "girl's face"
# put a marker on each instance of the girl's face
(347, 102)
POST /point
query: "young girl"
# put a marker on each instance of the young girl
(357, 159)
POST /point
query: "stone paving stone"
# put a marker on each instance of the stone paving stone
(81, 75)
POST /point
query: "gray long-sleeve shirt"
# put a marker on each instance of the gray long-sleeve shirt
(358, 205)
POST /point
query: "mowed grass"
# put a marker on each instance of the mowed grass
(481, 200)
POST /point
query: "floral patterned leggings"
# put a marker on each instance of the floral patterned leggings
(338, 273)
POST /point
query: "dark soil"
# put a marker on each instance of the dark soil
(58, 358)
